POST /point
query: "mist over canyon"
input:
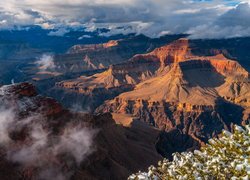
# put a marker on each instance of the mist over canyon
(102, 90)
(117, 102)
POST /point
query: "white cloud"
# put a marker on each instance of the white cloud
(77, 141)
(151, 17)
(59, 32)
(41, 150)
(46, 62)
(84, 36)
(233, 23)
(6, 121)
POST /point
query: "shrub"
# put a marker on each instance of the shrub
(227, 157)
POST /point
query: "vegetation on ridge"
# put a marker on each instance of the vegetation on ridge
(227, 157)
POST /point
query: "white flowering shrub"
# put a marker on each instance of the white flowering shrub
(225, 158)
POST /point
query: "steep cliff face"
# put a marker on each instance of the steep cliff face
(144, 66)
(98, 56)
(175, 52)
(23, 99)
(194, 97)
(194, 85)
(94, 57)
(171, 65)
(190, 97)
(117, 76)
(41, 140)
(233, 48)
(83, 48)
(123, 77)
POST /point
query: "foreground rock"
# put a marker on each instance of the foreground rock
(42, 140)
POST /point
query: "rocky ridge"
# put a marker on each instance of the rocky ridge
(124, 77)
(33, 144)
(80, 58)
(190, 96)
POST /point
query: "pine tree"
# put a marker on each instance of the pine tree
(227, 157)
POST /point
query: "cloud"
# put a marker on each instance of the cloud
(6, 120)
(84, 36)
(46, 62)
(59, 32)
(31, 153)
(77, 141)
(78, 107)
(233, 23)
(151, 17)
(48, 153)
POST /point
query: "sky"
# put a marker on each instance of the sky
(200, 18)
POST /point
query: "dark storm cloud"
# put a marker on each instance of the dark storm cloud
(234, 23)
(151, 17)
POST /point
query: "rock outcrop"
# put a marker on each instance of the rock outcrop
(233, 48)
(23, 99)
(156, 64)
(82, 48)
(123, 77)
(82, 58)
(42, 140)
(192, 97)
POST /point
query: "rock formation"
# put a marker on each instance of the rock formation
(233, 48)
(42, 140)
(81, 58)
(123, 77)
(190, 97)
(185, 98)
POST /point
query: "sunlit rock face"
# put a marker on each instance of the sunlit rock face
(193, 96)
(190, 97)
(81, 58)
(116, 79)
(124, 77)
(233, 48)
(81, 48)
(85, 60)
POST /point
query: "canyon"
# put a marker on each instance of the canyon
(124, 100)
(190, 98)
(85, 58)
